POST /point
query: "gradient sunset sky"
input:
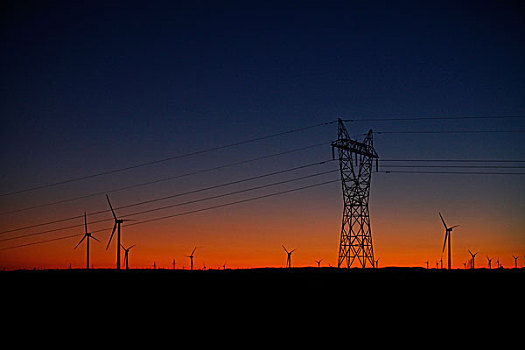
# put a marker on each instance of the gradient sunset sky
(93, 86)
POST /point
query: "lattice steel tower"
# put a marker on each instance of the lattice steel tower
(355, 163)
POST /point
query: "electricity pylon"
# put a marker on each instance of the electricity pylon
(355, 163)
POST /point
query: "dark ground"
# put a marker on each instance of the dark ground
(349, 299)
(270, 282)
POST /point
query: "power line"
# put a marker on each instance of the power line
(456, 160)
(450, 132)
(43, 241)
(435, 118)
(233, 193)
(186, 212)
(156, 181)
(170, 196)
(234, 203)
(180, 156)
(450, 172)
(289, 170)
(456, 166)
(173, 205)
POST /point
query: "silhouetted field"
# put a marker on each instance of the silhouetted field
(269, 281)
(254, 295)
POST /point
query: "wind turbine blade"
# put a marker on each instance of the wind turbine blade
(445, 242)
(285, 250)
(95, 238)
(113, 212)
(469, 251)
(292, 251)
(453, 227)
(193, 251)
(80, 241)
(131, 246)
(112, 233)
(444, 224)
(85, 222)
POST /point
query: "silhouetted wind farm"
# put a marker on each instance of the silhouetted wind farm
(258, 149)
(356, 160)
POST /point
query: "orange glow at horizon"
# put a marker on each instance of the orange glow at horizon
(252, 236)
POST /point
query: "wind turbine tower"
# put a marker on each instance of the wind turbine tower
(289, 257)
(448, 236)
(355, 165)
(126, 254)
(191, 258)
(473, 256)
(118, 222)
(88, 236)
(490, 262)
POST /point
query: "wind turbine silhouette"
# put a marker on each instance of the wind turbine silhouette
(191, 258)
(448, 231)
(515, 261)
(88, 235)
(473, 256)
(490, 262)
(289, 257)
(319, 262)
(118, 222)
(126, 254)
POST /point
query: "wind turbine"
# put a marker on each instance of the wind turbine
(473, 256)
(319, 262)
(118, 222)
(289, 257)
(490, 262)
(88, 235)
(448, 231)
(515, 261)
(126, 254)
(191, 258)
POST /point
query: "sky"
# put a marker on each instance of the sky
(89, 87)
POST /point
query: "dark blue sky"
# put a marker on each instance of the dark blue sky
(93, 85)
(76, 72)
